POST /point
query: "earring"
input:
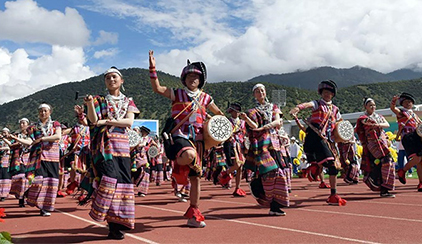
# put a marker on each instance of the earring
(123, 88)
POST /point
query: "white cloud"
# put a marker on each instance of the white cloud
(106, 37)
(25, 21)
(57, 55)
(20, 75)
(279, 36)
(106, 53)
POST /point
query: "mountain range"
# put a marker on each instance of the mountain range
(343, 77)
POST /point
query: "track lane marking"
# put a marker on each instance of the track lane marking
(266, 226)
(104, 226)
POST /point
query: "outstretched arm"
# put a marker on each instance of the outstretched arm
(155, 83)
(300, 107)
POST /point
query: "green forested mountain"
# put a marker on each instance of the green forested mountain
(356, 75)
(153, 106)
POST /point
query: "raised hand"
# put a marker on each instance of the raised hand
(151, 59)
(88, 99)
(395, 98)
(78, 109)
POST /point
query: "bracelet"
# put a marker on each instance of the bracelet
(152, 73)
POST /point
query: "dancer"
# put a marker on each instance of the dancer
(78, 152)
(234, 149)
(142, 175)
(264, 156)
(408, 121)
(319, 146)
(285, 153)
(18, 161)
(109, 117)
(5, 177)
(44, 160)
(377, 163)
(188, 107)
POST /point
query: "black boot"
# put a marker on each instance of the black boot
(275, 209)
(22, 203)
(115, 232)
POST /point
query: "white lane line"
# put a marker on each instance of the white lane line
(266, 226)
(104, 226)
(368, 202)
(359, 215)
(329, 212)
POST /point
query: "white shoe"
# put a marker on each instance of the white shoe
(141, 194)
(45, 213)
(181, 199)
(410, 175)
(193, 223)
(178, 195)
(277, 213)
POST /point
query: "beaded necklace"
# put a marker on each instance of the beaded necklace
(117, 106)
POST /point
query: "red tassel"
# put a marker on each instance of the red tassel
(194, 212)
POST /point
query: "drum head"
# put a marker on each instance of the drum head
(134, 138)
(345, 130)
(220, 128)
(153, 152)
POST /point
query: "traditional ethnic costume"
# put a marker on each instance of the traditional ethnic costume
(19, 157)
(141, 176)
(113, 198)
(348, 160)
(188, 136)
(319, 144)
(285, 154)
(264, 157)
(5, 177)
(234, 148)
(377, 163)
(44, 160)
(189, 111)
(157, 167)
(408, 121)
(220, 165)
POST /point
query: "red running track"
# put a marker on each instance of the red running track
(366, 218)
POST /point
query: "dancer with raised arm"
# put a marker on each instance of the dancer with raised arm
(189, 106)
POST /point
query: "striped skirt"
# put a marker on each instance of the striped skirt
(143, 183)
(114, 202)
(43, 192)
(275, 187)
(19, 185)
(388, 173)
(5, 185)
(352, 172)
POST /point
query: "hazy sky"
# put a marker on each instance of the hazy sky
(48, 42)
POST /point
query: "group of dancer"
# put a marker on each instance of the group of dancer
(34, 159)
